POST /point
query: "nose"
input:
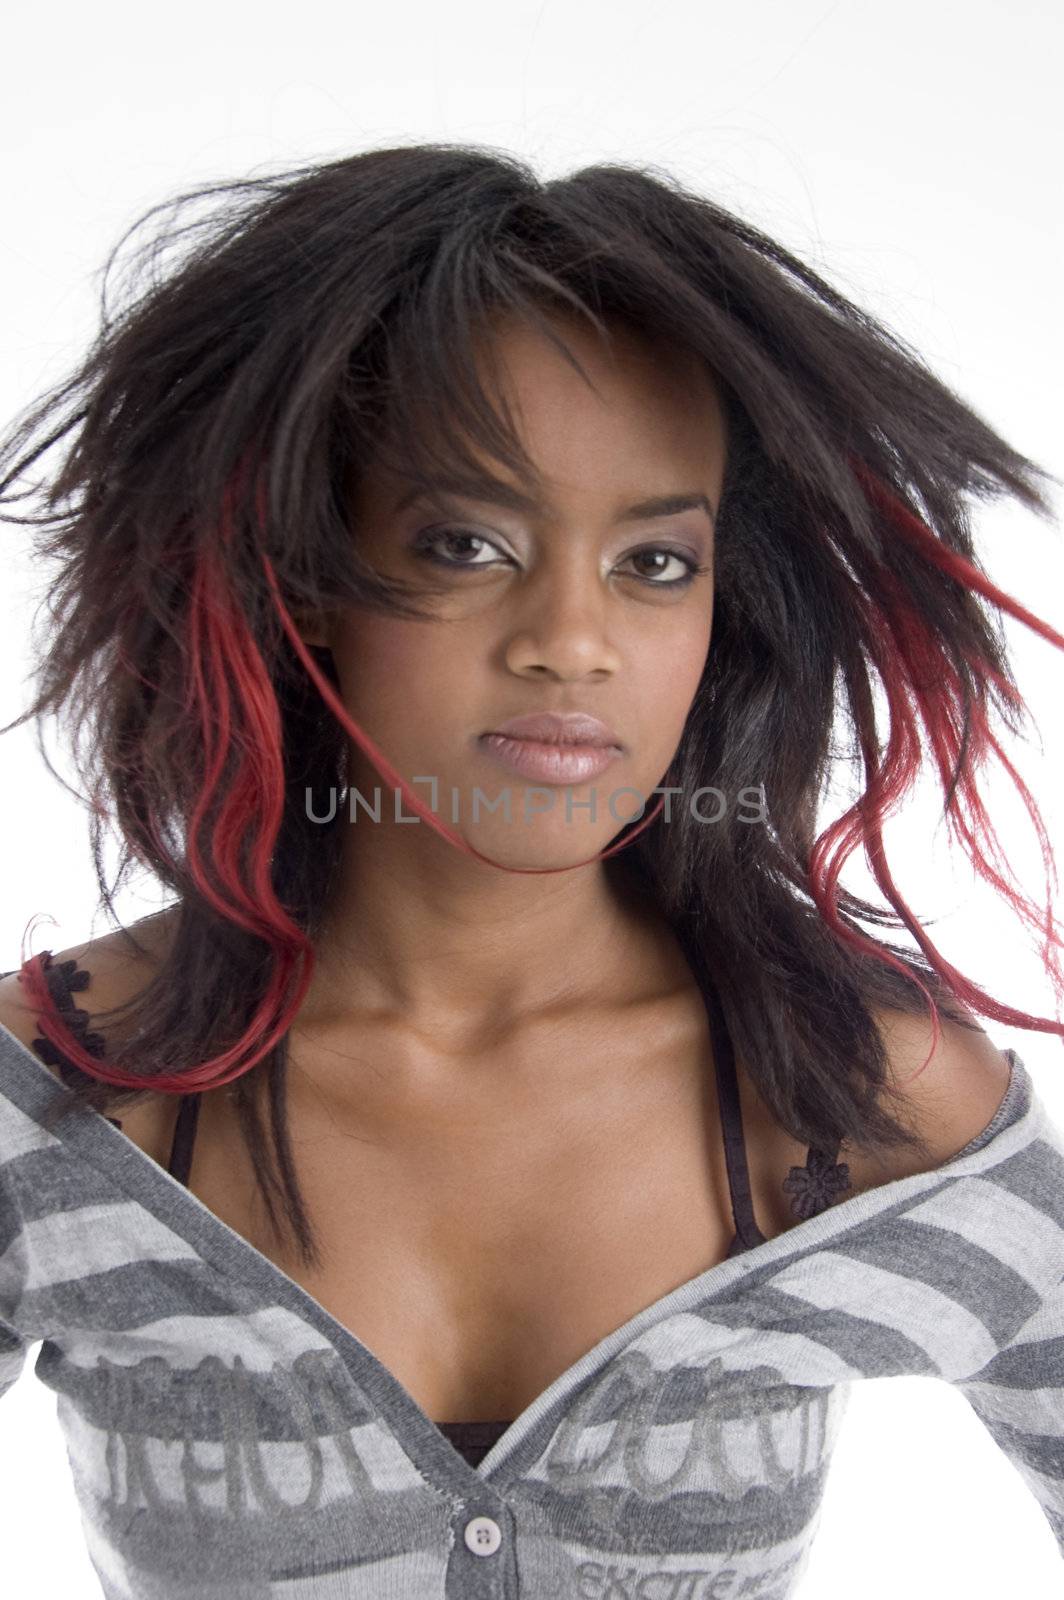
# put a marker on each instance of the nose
(560, 626)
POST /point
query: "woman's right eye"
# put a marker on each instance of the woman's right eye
(427, 544)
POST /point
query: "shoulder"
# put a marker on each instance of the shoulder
(960, 1089)
(952, 1100)
(116, 973)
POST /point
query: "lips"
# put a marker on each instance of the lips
(553, 746)
(558, 728)
(549, 763)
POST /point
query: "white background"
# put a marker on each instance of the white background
(910, 151)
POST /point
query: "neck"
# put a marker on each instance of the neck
(415, 930)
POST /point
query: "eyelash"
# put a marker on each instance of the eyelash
(423, 549)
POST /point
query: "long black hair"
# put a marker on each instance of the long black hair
(300, 325)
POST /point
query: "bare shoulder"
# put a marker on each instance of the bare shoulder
(960, 1089)
(947, 1105)
(117, 972)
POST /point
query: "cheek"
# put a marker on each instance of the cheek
(400, 678)
(668, 673)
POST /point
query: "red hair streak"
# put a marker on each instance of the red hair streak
(912, 666)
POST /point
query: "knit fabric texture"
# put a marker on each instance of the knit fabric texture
(230, 1440)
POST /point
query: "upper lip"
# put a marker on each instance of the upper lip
(559, 727)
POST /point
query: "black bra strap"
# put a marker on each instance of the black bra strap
(812, 1187)
(747, 1232)
(180, 1163)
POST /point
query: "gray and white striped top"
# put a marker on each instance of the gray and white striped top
(230, 1440)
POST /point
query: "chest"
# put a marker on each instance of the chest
(480, 1230)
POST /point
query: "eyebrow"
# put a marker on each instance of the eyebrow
(493, 491)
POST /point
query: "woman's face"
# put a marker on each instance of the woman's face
(574, 601)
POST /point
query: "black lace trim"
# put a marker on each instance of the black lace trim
(64, 980)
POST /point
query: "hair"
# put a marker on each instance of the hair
(306, 324)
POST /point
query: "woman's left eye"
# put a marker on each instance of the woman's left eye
(691, 568)
(427, 549)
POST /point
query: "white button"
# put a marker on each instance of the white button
(483, 1536)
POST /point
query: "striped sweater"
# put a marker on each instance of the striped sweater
(230, 1440)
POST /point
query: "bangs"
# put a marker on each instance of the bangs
(446, 424)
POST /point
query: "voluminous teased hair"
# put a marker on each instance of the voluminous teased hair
(307, 323)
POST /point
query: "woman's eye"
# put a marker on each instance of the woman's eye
(427, 546)
(659, 553)
(430, 547)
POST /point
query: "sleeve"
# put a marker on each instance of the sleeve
(13, 1351)
(14, 1344)
(1019, 1397)
(18, 1134)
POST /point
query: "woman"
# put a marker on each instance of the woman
(553, 1144)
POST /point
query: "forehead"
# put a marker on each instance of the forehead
(634, 414)
(571, 375)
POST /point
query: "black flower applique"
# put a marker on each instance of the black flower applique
(816, 1185)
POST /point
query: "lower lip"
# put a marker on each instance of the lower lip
(551, 763)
